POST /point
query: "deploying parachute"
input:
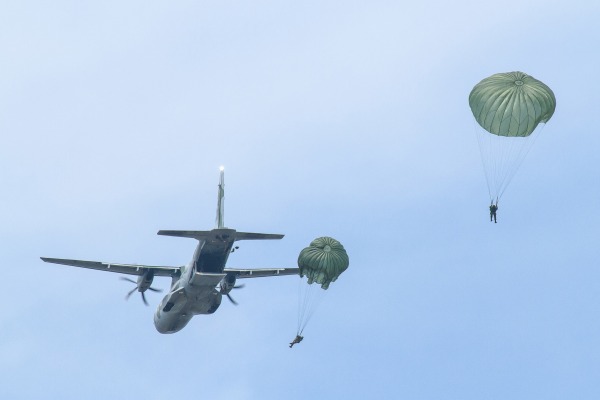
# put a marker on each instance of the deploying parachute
(321, 263)
(509, 106)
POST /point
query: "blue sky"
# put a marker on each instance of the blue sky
(347, 119)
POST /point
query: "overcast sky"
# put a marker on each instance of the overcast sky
(341, 118)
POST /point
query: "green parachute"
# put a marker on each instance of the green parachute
(321, 263)
(509, 106)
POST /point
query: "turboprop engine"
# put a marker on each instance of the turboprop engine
(227, 284)
(144, 281)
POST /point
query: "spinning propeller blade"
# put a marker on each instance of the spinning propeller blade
(231, 299)
(235, 303)
(139, 289)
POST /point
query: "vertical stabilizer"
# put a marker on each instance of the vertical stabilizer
(220, 220)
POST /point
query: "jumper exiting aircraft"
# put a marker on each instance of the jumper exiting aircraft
(198, 287)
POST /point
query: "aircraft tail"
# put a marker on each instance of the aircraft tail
(220, 219)
(220, 232)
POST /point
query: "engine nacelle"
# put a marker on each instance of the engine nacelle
(144, 281)
(227, 284)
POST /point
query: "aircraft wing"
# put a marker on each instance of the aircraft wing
(259, 273)
(131, 269)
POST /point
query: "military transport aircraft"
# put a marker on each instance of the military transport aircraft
(198, 287)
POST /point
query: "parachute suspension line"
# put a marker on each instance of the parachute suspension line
(305, 297)
(502, 157)
(513, 156)
(523, 152)
(302, 299)
(504, 160)
(481, 154)
(316, 301)
(309, 299)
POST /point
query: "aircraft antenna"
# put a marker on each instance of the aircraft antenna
(220, 221)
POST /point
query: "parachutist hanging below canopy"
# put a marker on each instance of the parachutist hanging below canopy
(493, 210)
(296, 340)
(322, 262)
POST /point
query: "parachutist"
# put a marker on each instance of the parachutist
(321, 263)
(297, 339)
(493, 209)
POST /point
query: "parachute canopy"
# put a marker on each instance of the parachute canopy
(511, 104)
(323, 261)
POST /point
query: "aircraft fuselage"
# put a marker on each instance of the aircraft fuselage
(196, 290)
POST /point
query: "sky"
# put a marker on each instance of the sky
(346, 119)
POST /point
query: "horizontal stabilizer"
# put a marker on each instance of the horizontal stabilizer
(188, 234)
(257, 236)
(221, 234)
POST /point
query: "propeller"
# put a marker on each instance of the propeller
(227, 284)
(142, 284)
(229, 296)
